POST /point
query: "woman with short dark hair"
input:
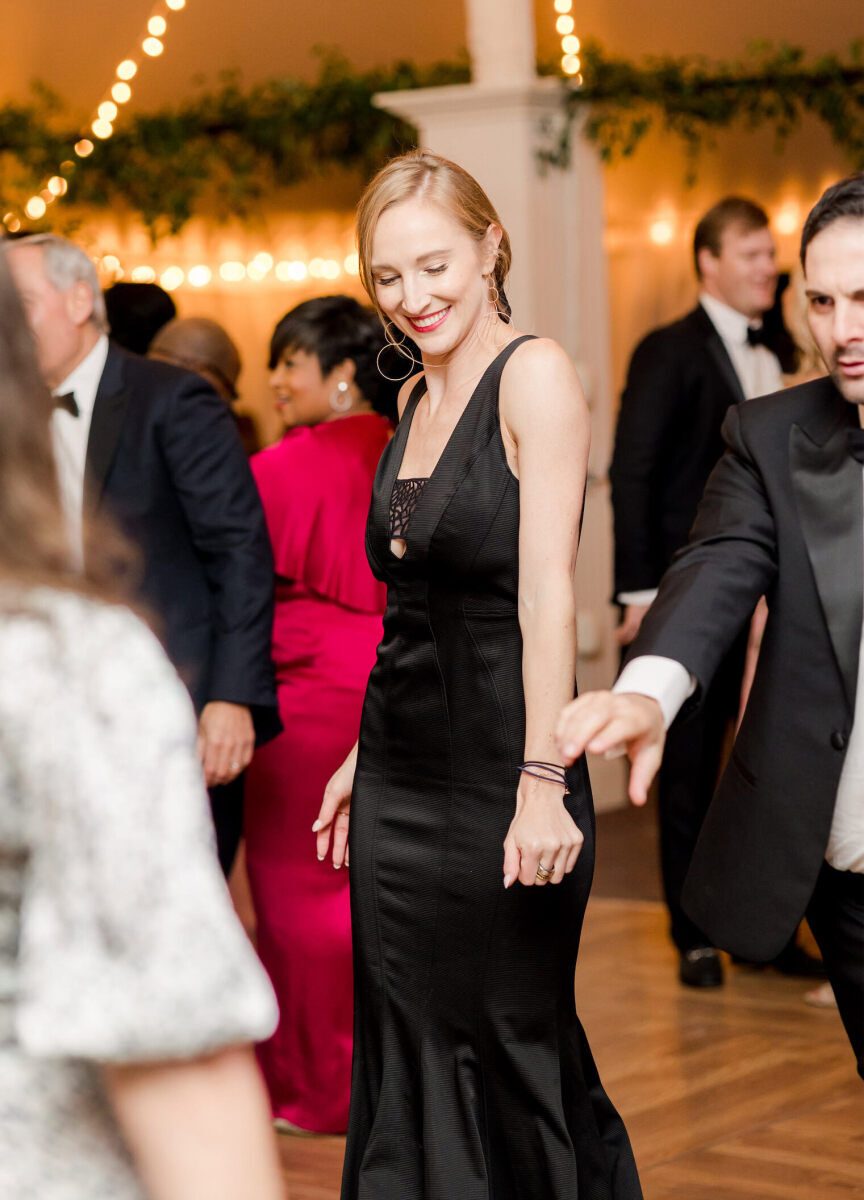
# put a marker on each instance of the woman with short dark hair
(315, 486)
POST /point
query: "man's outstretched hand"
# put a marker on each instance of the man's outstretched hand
(616, 723)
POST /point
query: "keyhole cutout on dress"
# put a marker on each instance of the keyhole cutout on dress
(398, 546)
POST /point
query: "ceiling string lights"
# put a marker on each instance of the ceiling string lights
(571, 64)
(118, 93)
(259, 268)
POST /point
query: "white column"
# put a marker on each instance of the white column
(502, 41)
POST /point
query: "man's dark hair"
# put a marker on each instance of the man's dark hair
(136, 313)
(732, 210)
(336, 329)
(843, 199)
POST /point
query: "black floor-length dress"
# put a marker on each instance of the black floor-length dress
(473, 1079)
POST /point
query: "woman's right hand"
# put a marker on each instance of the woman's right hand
(334, 812)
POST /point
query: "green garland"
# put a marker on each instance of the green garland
(228, 148)
(692, 98)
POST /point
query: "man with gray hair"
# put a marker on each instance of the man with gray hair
(156, 448)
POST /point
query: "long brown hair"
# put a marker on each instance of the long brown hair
(34, 548)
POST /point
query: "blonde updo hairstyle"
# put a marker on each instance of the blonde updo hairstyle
(421, 175)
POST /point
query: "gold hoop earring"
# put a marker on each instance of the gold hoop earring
(399, 347)
(495, 301)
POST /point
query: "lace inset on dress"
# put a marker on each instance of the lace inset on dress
(403, 501)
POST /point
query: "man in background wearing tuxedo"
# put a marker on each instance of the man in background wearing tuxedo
(681, 382)
(782, 516)
(156, 448)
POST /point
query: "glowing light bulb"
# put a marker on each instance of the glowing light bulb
(121, 93)
(143, 275)
(127, 69)
(111, 263)
(102, 129)
(199, 276)
(152, 46)
(352, 264)
(316, 268)
(565, 24)
(35, 208)
(571, 44)
(171, 278)
(232, 272)
(570, 64)
(563, 6)
(47, 195)
(254, 272)
(331, 269)
(12, 223)
(84, 148)
(57, 186)
(157, 26)
(175, 5)
(263, 261)
(107, 110)
(787, 219)
(661, 232)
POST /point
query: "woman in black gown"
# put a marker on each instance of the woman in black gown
(473, 1079)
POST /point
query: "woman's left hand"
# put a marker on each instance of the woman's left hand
(542, 833)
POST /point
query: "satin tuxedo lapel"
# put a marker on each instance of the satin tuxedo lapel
(827, 483)
(109, 411)
(719, 355)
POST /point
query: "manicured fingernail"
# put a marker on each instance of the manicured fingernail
(320, 857)
(316, 826)
(507, 879)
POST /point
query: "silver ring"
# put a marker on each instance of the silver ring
(235, 766)
(544, 874)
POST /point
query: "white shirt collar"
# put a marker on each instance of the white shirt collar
(83, 380)
(729, 323)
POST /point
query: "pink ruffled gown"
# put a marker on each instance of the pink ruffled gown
(315, 486)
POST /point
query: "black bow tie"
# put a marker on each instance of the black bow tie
(758, 337)
(68, 402)
(856, 444)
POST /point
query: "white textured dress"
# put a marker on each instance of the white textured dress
(118, 942)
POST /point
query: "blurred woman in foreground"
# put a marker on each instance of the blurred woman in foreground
(127, 987)
(315, 486)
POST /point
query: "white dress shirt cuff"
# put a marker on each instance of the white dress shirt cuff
(663, 679)
(645, 597)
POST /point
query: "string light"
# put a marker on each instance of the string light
(102, 126)
(232, 271)
(661, 232)
(571, 64)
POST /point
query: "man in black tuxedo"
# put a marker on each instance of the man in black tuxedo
(682, 380)
(156, 448)
(782, 516)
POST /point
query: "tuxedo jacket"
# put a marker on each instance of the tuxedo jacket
(680, 385)
(781, 516)
(164, 460)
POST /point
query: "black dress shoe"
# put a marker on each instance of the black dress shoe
(701, 968)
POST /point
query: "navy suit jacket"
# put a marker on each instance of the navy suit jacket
(680, 385)
(165, 461)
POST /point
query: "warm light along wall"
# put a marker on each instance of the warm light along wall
(232, 271)
(118, 93)
(571, 64)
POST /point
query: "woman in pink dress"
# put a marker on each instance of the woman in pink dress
(315, 485)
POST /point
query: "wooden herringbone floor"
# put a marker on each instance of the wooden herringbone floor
(743, 1093)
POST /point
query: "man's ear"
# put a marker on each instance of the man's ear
(707, 263)
(79, 302)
